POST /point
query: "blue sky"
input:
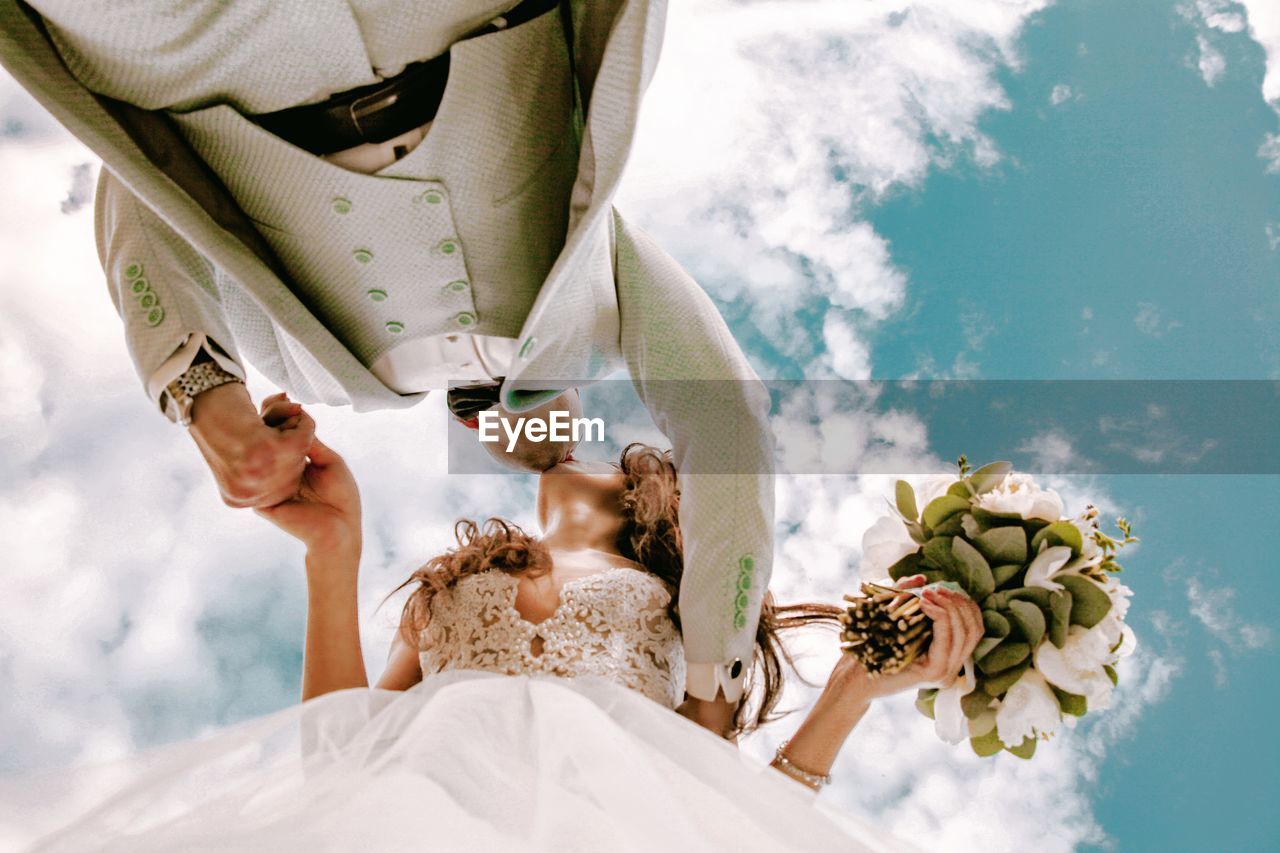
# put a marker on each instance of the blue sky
(935, 189)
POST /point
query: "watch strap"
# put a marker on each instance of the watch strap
(197, 379)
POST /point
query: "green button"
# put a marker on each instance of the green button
(133, 270)
(741, 601)
(395, 328)
(433, 196)
(140, 285)
(155, 316)
(376, 295)
(457, 286)
(148, 300)
(342, 205)
(465, 318)
(362, 255)
(739, 620)
(746, 563)
(447, 247)
(744, 581)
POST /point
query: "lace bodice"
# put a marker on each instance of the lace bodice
(613, 624)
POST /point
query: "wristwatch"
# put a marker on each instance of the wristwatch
(197, 379)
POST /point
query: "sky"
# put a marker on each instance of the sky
(945, 189)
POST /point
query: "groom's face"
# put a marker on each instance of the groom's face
(527, 454)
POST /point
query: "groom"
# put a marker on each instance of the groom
(369, 203)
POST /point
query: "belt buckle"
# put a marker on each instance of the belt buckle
(370, 104)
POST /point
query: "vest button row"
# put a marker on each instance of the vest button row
(465, 319)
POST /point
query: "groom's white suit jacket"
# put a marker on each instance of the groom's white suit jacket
(611, 297)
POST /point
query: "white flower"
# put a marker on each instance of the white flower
(1077, 667)
(885, 543)
(1019, 495)
(1048, 563)
(949, 720)
(1028, 709)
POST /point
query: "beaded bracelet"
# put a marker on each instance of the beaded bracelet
(812, 780)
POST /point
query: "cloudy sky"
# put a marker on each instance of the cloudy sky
(954, 189)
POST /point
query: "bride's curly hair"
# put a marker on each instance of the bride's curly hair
(650, 536)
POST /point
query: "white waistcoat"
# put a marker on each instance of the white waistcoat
(452, 238)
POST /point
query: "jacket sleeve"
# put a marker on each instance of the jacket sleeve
(704, 396)
(165, 292)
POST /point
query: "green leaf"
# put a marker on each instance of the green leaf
(937, 554)
(994, 625)
(976, 575)
(1024, 750)
(973, 704)
(952, 526)
(1070, 703)
(1059, 533)
(989, 476)
(986, 745)
(984, 723)
(905, 496)
(925, 700)
(1088, 601)
(984, 647)
(1060, 617)
(996, 685)
(1038, 596)
(1008, 653)
(1112, 674)
(916, 531)
(1003, 545)
(1028, 619)
(942, 508)
(960, 490)
(906, 567)
(1003, 574)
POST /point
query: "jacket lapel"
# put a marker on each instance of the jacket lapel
(617, 70)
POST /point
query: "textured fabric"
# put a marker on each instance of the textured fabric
(449, 239)
(575, 331)
(245, 53)
(612, 624)
(465, 761)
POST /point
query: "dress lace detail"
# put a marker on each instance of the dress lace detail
(612, 623)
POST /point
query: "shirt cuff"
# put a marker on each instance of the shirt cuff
(178, 364)
(705, 680)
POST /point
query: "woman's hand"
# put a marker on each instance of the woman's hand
(957, 628)
(325, 512)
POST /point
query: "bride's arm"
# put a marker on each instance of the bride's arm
(332, 658)
(957, 628)
(404, 668)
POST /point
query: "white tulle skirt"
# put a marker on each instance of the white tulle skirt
(465, 761)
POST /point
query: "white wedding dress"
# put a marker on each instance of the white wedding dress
(555, 736)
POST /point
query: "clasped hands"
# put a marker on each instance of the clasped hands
(270, 460)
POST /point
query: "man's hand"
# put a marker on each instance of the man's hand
(255, 463)
(325, 513)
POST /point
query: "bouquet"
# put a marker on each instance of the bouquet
(1052, 608)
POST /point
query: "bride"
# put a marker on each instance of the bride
(528, 701)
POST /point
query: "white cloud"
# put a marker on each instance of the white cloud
(1273, 235)
(803, 114)
(1060, 94)
(1214, 607)
(1261, 20)
(1150, 320)
(1269, 152)
(1212, 63)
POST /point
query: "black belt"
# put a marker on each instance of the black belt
(386, 109)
